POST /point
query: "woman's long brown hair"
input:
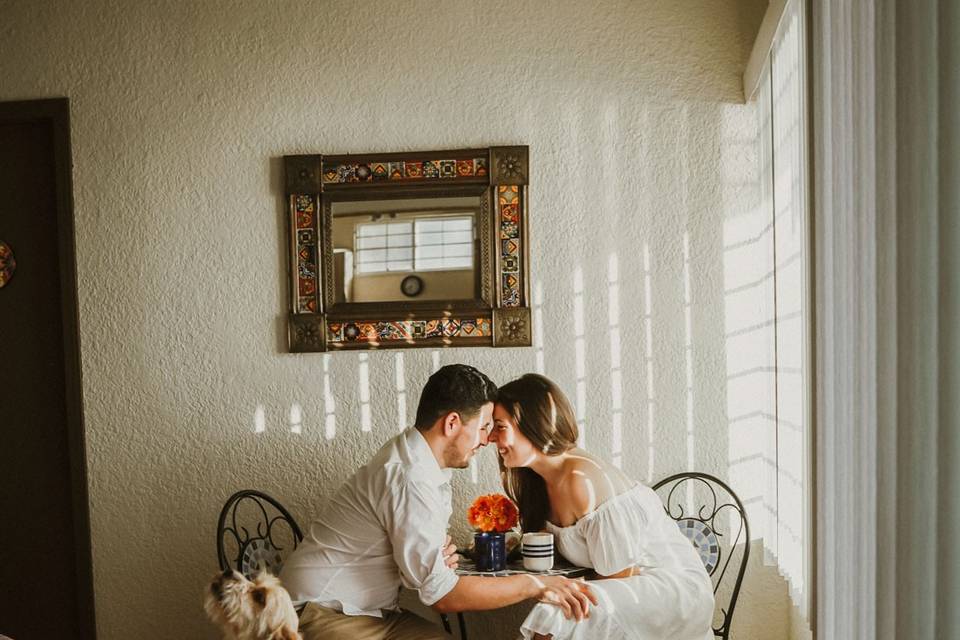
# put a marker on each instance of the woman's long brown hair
(544, 415)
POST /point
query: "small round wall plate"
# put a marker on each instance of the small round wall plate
(411, 286)
(7, 263)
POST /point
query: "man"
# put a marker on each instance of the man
(386, 526)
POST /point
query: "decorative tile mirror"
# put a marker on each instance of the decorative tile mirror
(399, 250)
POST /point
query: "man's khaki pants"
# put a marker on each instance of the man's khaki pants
(320, 623)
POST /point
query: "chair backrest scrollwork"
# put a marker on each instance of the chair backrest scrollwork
(712, 517)
(253, 533)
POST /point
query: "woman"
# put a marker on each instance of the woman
(650, 583)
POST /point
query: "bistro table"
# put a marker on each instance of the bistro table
(560, 568)
(410, 601)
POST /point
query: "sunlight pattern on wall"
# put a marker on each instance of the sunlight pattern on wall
(401, 387)
(538, 327)
(259, 420)
(579, 346)
(688, 351)
(616, 382)
(295, 416)
(648, 357)
(329, 404)
(364, 370)
(688, 364)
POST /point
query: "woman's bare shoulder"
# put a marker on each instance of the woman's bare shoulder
(582, 464)
(589, 481)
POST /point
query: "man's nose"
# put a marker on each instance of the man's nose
(484, 437)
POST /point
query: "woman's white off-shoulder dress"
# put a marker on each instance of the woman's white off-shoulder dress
(671, 598)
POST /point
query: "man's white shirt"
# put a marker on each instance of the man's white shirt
(384, 527)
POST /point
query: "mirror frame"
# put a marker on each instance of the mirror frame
(498, 315)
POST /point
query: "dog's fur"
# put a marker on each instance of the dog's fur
(251, 610)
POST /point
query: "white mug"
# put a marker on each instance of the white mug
(537, 551)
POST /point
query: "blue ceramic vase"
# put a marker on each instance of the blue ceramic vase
(490, 551)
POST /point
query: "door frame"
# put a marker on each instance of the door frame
(56, 113)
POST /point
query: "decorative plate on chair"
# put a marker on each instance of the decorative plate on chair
(704, 540)
(259, 555)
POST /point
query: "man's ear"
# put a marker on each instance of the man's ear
(451, 422)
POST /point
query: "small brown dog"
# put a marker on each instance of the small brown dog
(251, 610)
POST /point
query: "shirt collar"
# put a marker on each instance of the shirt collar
(422, 455)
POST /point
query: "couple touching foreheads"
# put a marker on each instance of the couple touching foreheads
(386, 527)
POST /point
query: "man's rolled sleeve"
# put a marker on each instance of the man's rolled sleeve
(418, 539)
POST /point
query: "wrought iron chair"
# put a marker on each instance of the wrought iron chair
(254, 531)
(709, 533)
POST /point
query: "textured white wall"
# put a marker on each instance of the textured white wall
(641, 150)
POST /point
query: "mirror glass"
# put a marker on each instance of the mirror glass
(405, 249)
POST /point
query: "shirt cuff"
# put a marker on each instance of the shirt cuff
(438, 585)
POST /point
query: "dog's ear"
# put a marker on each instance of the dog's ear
(285, 633)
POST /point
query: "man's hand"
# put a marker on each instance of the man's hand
(450, 554)
(572, 596)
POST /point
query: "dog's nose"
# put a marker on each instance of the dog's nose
(227, 574)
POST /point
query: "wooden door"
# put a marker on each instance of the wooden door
(45, 568)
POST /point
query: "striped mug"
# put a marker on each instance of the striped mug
(537, 551)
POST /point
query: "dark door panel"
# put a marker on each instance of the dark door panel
(44, 530)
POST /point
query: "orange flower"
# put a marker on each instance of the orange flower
(493, 512)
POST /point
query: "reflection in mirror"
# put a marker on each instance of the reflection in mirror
(406, 249)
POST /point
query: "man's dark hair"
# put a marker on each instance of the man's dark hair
(455, 387)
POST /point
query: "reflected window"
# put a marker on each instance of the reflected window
(443, 243)
(429, 243)
(384, 246)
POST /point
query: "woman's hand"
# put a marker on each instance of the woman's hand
(574, 597)
(450, 555)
